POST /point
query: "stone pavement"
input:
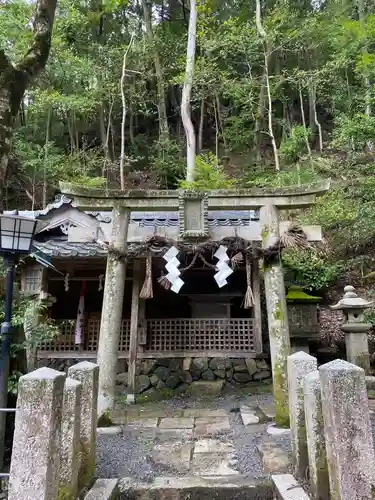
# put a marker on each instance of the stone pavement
(221, 442)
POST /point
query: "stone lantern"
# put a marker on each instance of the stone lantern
(303, 318)
(354, 327)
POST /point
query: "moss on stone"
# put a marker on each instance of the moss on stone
(363, 361)
(296, 293)
(280, 395)
(66, 493)
(87, 469)
(265, 232)
(105, 420)
(279, 313)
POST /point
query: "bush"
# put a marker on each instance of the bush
(208, 174)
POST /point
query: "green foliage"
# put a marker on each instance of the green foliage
(166, 159)
(354, 133)
(311, 268)
(294, 145)
(208, 174)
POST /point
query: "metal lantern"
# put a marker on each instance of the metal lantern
(16, 234)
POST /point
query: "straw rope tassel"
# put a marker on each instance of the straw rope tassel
(147, 291)
(249, 297)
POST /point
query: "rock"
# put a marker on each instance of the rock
(162, 372)
(138, 368)
(172, 382)
(208, 375)
(148, 366)
(220, 373)
(160, 385)
(154, 379)
(262, 375)
(195, 374)
(122, 379)
(206, 388)
(261, 364)
(251, 366)
(242, 378)
(175, 365)
(163, 362)
(240, 366)
(218, 364)
(186, 377)
(186, 365)
(229, 374)
(182, 389)
(142, 383)
(200, 364)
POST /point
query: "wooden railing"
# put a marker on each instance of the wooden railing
(185, 335)
(204, 334)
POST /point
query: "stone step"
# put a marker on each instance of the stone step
(196, 488)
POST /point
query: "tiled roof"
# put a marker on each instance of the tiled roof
(62, 248)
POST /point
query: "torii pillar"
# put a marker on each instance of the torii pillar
(113, 297)
(277, 314)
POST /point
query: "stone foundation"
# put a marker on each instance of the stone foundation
(179, 373)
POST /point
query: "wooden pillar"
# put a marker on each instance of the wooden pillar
(257, 306)
(278, 326)
(134, 320)
(113, 297)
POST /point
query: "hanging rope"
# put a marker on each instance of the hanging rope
(147, 291)
(249, 297)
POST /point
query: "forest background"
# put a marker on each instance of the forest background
(283, 93)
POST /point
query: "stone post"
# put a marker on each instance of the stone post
(355, 328)
(87, 374)
(316, 445)
(34, 470)
(278, 326)
(134, 320)
(348, 433)
(111, 318)
(70, 445)
(299, 365)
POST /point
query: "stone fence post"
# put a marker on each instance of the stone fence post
(348, 432)
(316, 445)
(299, 365)
(34, 470)
(88, 375)
(70, 445)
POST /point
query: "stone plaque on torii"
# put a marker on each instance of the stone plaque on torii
(193, 207)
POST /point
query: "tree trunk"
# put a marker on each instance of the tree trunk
(186, 93)
(46, 146)
(365, 73)
(14, 80)
(259, 120)
(162, 107)
(266, 52)
(220, 121)
(312, 92)
(304, 121)
(122, 154)
(201, 125)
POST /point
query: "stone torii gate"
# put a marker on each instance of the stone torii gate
(193, 209)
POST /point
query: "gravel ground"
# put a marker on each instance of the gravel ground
(129, 454)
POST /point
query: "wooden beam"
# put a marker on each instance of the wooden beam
(257, 306)
(133, 345)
